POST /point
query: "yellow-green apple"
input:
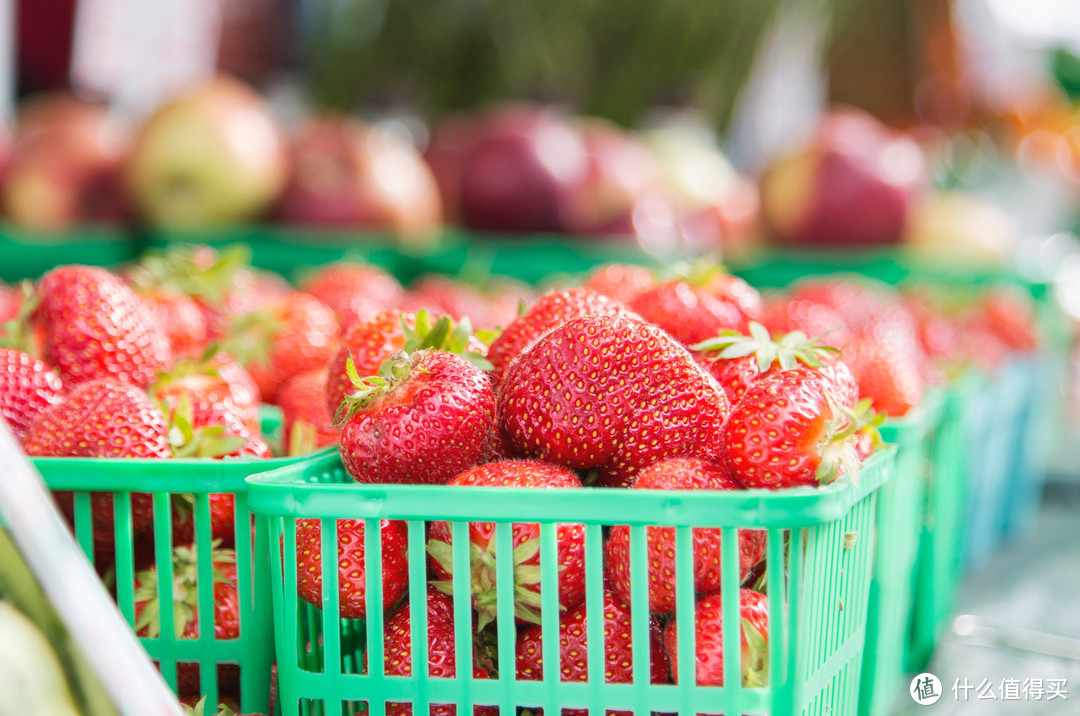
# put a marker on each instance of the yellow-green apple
(346, 174)
(954, 226)
(213, 155)
(522, 171)
(853, 184)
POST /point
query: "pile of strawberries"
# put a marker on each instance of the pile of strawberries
(684, 380)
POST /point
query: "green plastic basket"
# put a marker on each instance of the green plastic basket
(533, 258)
(27, 255)
(941, 543)
(162, 479)
(899, 519)
(819, 545)
(290, 250)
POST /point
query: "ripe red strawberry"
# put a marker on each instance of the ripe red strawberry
(291, 335)
(454, 298)
(369, 343)
(574, 649)
(1010, 314)
(732, 288)
(27, 388)
(102, 418)
(96, 327)
(525, 540)
(355, 292)
(611, 393)
(213, 400)
(857, 298)
(679, 474)
(351, 565)
(688, 313)
(622, 282)
(430, 418)
(785, 314)
(708, 638)
(9, 302)
(503, 298)
(180, 317)
(222, 518)
(307, 423)
(185, 608)
(551, 311)
(887, 373)
(442, 655)
(790, 430)
(736, 361)
(242, 385)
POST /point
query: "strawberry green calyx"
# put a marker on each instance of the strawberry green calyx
(200, 709)
(198, 271)
(792, 348)
(865, 421)
(755, 657)
(837, 446)
(697, 273)
(303, 438)
(367, 389)
(443, 335)
(482, 579)
(205, 442)
(185, 593)
(251, 336)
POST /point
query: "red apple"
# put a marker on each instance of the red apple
(214, 155)
(522, 172)
(445, 154)
(66, 165)
(347, 174)
(854, 184)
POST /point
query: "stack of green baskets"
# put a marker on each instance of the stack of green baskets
(162, 479)
(899, 521)
(820, 548)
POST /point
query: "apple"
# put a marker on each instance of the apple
(346, 174)
(445, 155)
(620, 171)
(954, 226)
(66, 166)
(214, 155)
(522, 171)
(854, 184)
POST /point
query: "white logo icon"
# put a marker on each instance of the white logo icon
(925, 689)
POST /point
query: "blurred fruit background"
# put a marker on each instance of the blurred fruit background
(473, 154)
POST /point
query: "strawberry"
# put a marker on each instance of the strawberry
(611, 393)
(551, 311)
(96, 327)
(372, 343)
(574, 649)
(679, 474)
(736, 361)
(1010, 314)
(525, 539)
(887, 373)
(708, 639)
(352, 586)
(241, 384)
(857, 298)
(355, 292)
(307, 424)
(441, 652)
(222, 518)
(27, 388)
(785, 314)
(688, 313)
(199, 709)
(431, 417)
(186, 611)
(790, 430)
(622, 282)
(503, 298)
(213, 399)
(180, 317)
(9, 302)
(102, 418)
(291, 335)
(454, 298)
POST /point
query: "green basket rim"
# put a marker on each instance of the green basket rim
(918, 422)
(285, 492)
(92, 474)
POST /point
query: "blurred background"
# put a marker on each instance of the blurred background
(478, 136)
